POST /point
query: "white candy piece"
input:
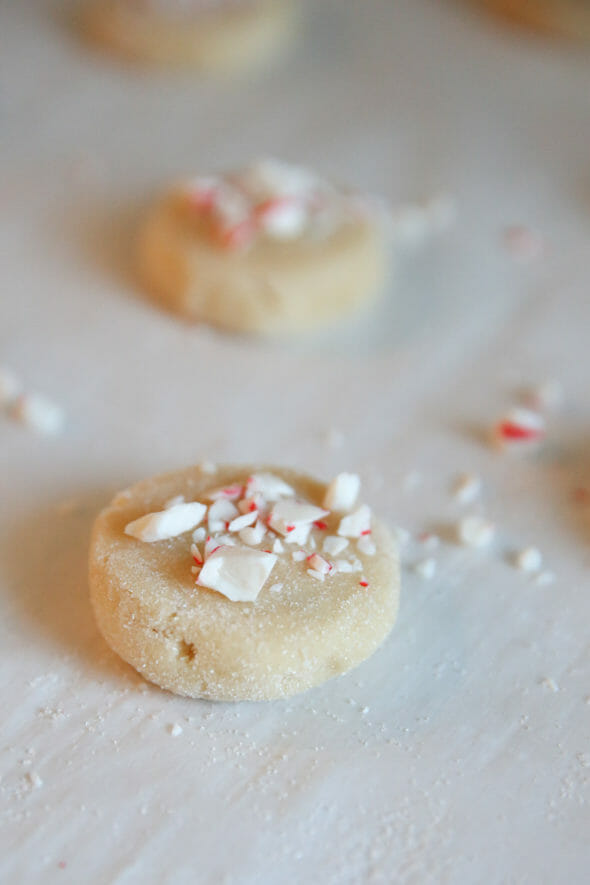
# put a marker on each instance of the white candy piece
(467, 488)
(319, 564)
(287, 516)
(165, 524)
(237, 572)
(227, 493)
(333, 545)
(10, 387)
(343, 565)
(475, 531)
(253, 535)
(342, 493)
(277, 546)
(285, 220)
(298, 555)
(208, 467)
(528, 560)
(426, 569)
(199, 535)
(356, 523)
(241, 522)
(38, 413)
(366, 546)
(222, 511)
(270, 487)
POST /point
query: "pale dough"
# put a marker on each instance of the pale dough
(273, 287)
(226, 38)
(569, 18)
(195, 641)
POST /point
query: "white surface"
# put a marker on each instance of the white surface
(460, 752)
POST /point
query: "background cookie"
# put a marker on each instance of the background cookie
(271, 248)
(208, 34)
(314, 588)
(570, 18)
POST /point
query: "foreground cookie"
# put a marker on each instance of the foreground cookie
(242, 584)
(208, 34)
(569, 18)
(271, 248)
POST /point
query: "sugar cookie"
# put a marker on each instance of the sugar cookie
(569, 18)
(208, 34)
(270, 248)
(242, 583)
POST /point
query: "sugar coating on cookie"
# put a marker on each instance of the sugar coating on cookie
(252, 590)
(268, 248)
(219, 35)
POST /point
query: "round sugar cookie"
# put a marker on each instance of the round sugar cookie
(238, 583)
(567, 18)
(220, 35)
(268, 249)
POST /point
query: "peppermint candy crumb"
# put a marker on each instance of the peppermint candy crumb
(475, 531)
(520, 426)
(467, 488)
(342, 493)
(164, 524)
(528, 560)
(38, 413)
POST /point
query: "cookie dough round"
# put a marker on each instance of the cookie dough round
(568, 18)
(303, 627)
(220, 35)
(265, 260)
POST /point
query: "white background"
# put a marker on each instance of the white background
(460, 752)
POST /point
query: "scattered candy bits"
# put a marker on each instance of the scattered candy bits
(31, 409)
(520, 426)
(226, 557)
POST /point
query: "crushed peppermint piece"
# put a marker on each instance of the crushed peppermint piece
(287, 516)
(523, 242)
(208, 467)
(343, 565)
(220, 514)
(466, 488)
(546, 397)
(544, 578)
(342, 493)
(34, 780)
(172, 502)
(38, 413)
(298, 555)
(277, 546)
(10, 387)
(241, 522)
(298, 534)
(168, 523)
(356, 523)
(528, 560)
(475, 531)
(175, 729)
(550, 683)
(333, 545)
(269, 487)
(214, 542)
(237, 572)
(366, 546)
(319, 564)
(253, 535)
(426, 568)
(363, 582)
(199, 534)
(196, 554)
(276, 588)
(520, 426)
(227, 493)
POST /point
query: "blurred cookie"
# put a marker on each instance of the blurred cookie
(270, 248)
(569, 18)
(221, 35)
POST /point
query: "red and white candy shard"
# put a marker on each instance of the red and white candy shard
(269, 487)
(287, 516)
(520, 426)
(241, 517)
(356, 523)
(268, 198)
(342, 493)
(170, 523)
(238, 572)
